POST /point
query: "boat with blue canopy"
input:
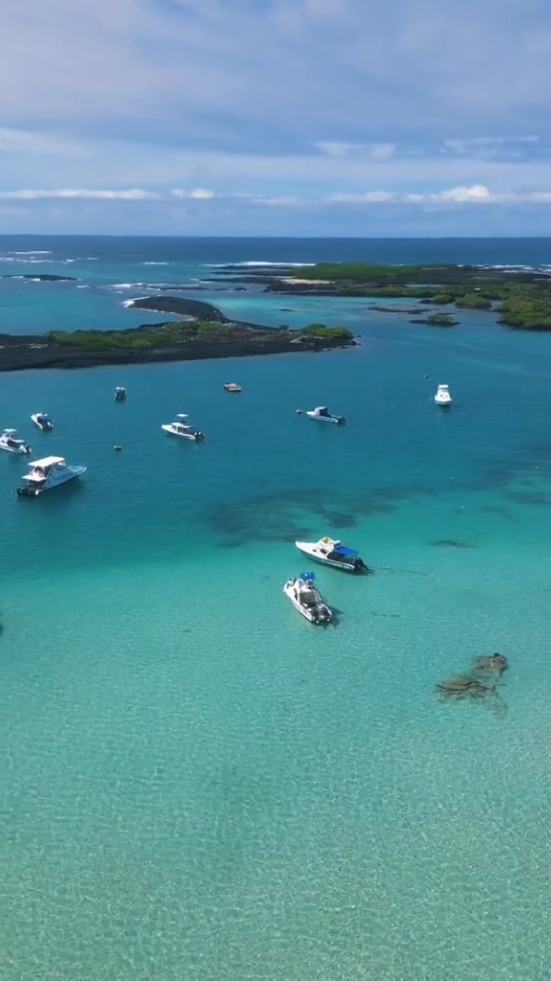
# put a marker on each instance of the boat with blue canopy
(331, 551)
(307, 599)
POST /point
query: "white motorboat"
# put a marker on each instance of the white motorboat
(120, 394)
(10, 442)
(48, 473)
(182, 428)
(321, 412)
(307, 599)
(43, 421)
(443, 396)
(331, 551)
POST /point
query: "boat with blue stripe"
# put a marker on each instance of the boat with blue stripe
(331, 551)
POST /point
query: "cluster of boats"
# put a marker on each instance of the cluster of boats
(51, 471)
(303, 591)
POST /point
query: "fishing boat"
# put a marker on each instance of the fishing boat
(43, 421)
(331, 551)
(10, 442)
(182, 428)
(322, 414)
(307, 599)
(443, 396)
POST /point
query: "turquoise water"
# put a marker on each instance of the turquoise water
(199, 783)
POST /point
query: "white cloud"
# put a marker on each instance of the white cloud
(374, 151)
(132, 194)
(475, 194)
(199, 194)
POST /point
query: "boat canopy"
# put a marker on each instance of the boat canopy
(307, 576)
(47, 461)
(10, 432)
(342, 550)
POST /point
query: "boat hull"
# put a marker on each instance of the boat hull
(192, 437)
(18, 450)
(40, 425)
(336, 420)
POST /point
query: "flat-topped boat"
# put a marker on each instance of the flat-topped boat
(307, 599)
(48, 473)
(331, 551)
(232, 387)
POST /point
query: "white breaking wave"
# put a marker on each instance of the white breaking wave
(130, 303)
(31, 252)
(269, 265)
(154, 263)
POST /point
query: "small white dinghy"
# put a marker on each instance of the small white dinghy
(43, 421)
(10, 442)
(443, 396)
(322, 414)
(307, 599)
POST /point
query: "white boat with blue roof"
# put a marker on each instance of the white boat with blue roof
(307, 599)
(11, 443)
(43, 421)
(331, 551)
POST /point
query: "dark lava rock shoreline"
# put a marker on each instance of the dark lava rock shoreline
(216, 337)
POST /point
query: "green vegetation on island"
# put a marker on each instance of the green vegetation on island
(521, 298)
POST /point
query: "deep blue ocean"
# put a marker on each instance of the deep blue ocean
(200, 785)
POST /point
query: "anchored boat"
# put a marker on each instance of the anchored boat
(331, 551)
(322, 414)
(307, 599)
(48, 473)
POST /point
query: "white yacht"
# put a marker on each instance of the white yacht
(321, 412)
(43, 421)
(443, 396)
(307, 599)
(10, 442)
(182, 428)
(48, 473)
(331, 551)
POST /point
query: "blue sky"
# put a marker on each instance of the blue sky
(276, 117)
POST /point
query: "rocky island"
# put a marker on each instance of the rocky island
(204, 333)
(520, 297)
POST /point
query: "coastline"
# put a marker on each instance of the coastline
(205, 334)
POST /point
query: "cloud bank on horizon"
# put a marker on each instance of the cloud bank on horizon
(311, 117)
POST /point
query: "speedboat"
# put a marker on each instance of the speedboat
(307, 599)
(321, 412)
(233, 387)
(331, 551)
(43, 421)
(120, 394)
(46, 474)
(10, 442)
(181, 428)
(443, 396)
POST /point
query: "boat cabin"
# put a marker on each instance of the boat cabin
(41, 469)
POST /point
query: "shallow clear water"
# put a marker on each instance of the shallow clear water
(199, 783)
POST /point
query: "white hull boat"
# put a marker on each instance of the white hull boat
(322, 414)
(10, 442)
(443, 396)
(332, 552)
(182, 429)
(43, 421)
(48, 473)
(307, 599)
